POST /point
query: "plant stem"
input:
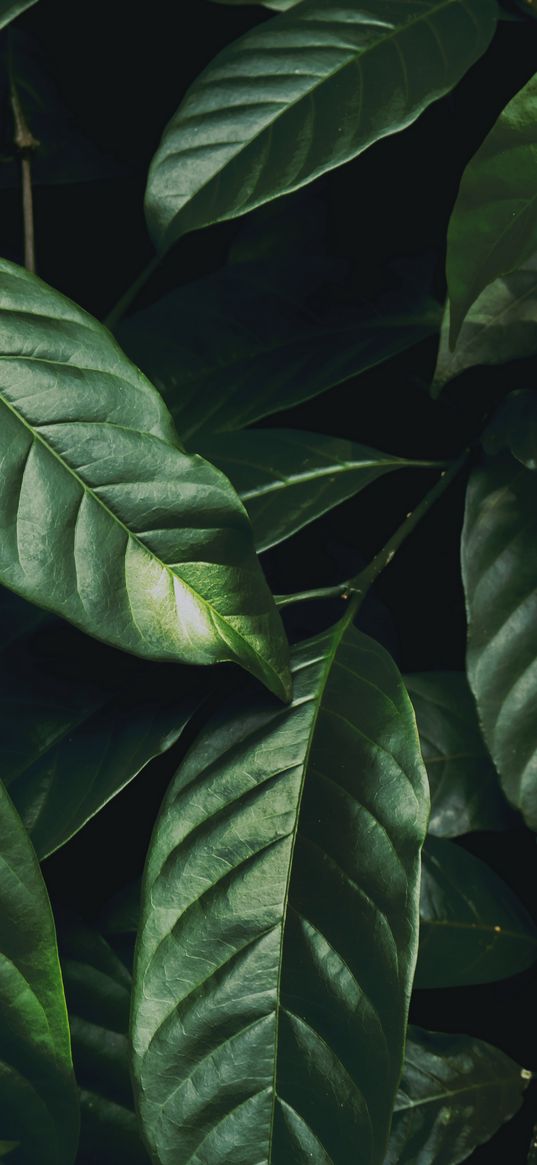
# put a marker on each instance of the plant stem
(337, 592)
(118, 311)
(26, 144)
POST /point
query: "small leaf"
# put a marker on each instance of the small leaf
(264, 1026)
(316, 102)
(455, 1093)
(501, 326)
(38, 1100)
(104, 519)
(472, 927)
(465, 791)
(499, 566)
(493, 226)
(287, 478)
(9, 9)
(514, 427)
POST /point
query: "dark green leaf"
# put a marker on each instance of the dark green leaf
(38, 1101)
(514, 427)
(104, 519)
(493, 227)
(472, 928)
(499, 565)
(9, 9)
(455, 1093)
(465, 791)
(265, 1027)
(500, 326)
(121, 915)
(330, 80)
(287, 478)
(98, 988)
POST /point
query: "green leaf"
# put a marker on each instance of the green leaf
(455, 1093)
(76, 723)
(514, 427)
(98, 989)
(465, 791)
(104, 519)
(265, 1027)
(493, 226)
(277, 5)
(330, 80)
(121, 914)
(257, 338)
(10, 9)
(287, 478)
(500, 326)
(472, 927)
(38, 1100)
(7, 1147)
(499, 566)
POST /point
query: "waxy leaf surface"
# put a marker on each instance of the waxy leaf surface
(265, 1027)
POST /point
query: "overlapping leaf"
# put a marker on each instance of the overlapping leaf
(38, 1100)
(103, 518)
(472, 927)
(465, 791)
(330, 80)
(455, 1093)
(493, 227)
(265, 1027)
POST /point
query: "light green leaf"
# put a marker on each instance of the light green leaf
(514, 427)
(287, 478)
(77, 722)
(9, 9)
(472, 927)
(330, 80)
(500, 326)
(499, 566)
(265, 1028)
(103, 518)
(493, 226)
(98, 989)
(455, 1093)
(38, 1100)
(465, 791)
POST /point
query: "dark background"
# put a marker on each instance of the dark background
(120, 70)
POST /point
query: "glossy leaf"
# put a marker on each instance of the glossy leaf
(98, 989)
(472, 927)
(499, 565)
(10, 9)
(265, 1028)
(38, 1101)
(104, 519)
(330, 80)
(514, 427)
(287, 478)
(455, 1093)
(465, 791)
(493, 227)
(256, 338)
(500, 326)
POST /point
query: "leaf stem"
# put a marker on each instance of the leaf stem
(118, 311)
(336, 592)
(26, 144)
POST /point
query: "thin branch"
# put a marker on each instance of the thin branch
(26, 145)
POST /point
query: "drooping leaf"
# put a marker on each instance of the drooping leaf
(499, 566)
(514, 427)
(330, 80)
(104, 519)
(38, 1099)
(465, 791)
(455, 1093)
(98, 989)
(9, 9)
(256, 338)
(287, 478)
(500, 326)
(493, 226)
(472, 927)
(265, 1027)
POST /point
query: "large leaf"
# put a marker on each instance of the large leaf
(76, 723)
(499, 564)
(265, 1027)
(465, 791)
(287, 478)
(103, 518)
(472, 927)
(38, 1101)
(455, 1093)
(500, 326)
(98, 988)
(493, 227)
(514, 427)
(259, 337)
(330, 79)
(9, 9)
